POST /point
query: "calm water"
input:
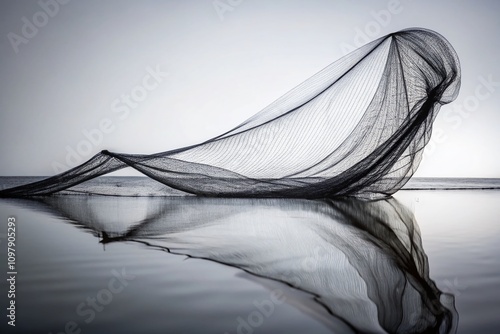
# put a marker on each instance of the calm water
(426, 260)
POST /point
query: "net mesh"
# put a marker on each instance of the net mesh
(356, 128)
(359, 261)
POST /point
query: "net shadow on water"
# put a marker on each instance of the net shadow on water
(355, 266)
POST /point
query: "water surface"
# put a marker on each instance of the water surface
(426, 260)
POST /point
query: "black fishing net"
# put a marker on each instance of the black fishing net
(356, 128)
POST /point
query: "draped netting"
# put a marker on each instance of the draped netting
(356, 128)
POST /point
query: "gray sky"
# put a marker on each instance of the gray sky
(149, 76)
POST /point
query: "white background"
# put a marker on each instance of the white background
(225, 60)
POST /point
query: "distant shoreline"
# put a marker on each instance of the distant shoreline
(142, 186)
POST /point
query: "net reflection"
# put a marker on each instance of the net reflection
(360, 263)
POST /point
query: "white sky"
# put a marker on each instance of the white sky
(222, 68)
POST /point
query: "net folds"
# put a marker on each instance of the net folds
(356, 128)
